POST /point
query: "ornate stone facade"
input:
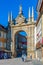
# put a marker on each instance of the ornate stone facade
(23, 25)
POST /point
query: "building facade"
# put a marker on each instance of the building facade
(39, 30)
(3, 41)
(5, 52)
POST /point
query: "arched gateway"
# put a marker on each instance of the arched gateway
(21, 24)
(20, 43)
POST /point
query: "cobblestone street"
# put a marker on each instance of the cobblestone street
(18, 61)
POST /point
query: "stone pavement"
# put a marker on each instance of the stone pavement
(18, 61)
(37, 62)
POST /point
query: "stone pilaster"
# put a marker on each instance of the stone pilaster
(28, 44)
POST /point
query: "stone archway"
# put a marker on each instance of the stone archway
(13, 39)
(30, 43)
(27, 25)
(30, 48)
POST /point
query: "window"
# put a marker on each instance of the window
(0, 34)
(4, 35)
(4, 45)
(1, 44)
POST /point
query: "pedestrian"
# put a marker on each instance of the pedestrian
(24, 57)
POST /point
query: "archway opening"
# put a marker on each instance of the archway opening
(21, 43)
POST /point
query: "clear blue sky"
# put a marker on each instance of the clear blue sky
(13, 5)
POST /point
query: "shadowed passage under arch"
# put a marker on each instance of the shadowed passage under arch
(21, 43)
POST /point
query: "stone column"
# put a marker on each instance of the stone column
(28, 44)
(32, 37)
(32, 52)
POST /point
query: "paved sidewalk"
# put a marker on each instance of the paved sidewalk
(18, 61)
(37, 62)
